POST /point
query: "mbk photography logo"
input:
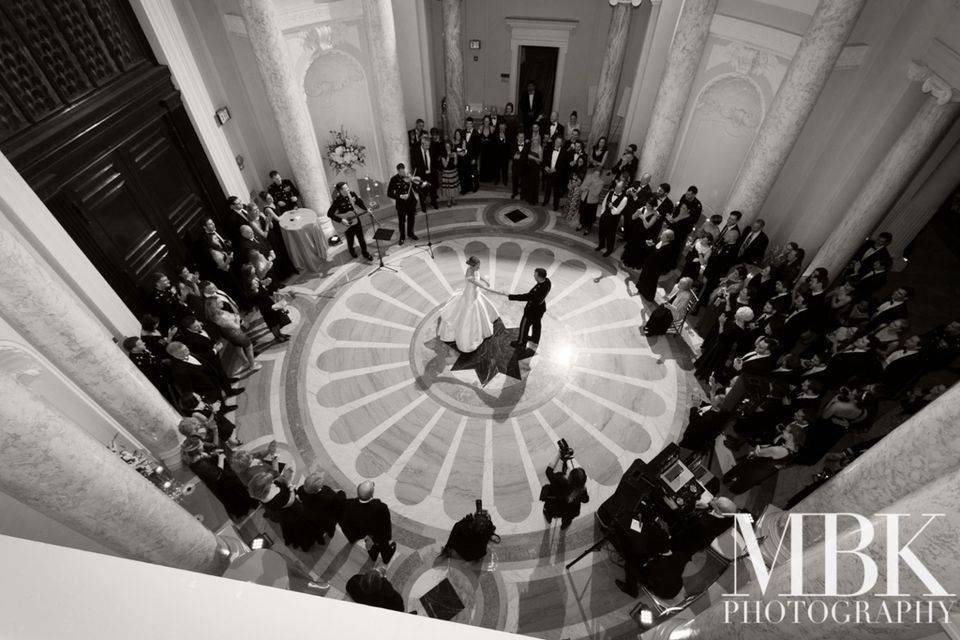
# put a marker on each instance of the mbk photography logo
(822, 581)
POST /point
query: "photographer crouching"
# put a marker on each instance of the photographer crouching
(566, 490)
(471, 535)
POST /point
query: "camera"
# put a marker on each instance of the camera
(566, 453)
(480, 510)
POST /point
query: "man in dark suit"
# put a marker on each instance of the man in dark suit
(150, 365)
(750, 370)
(870, 251)
(404, 194)
(531, 106)
(904, 365)
(552, 161)
(872, 280)
(284, 193)
(165, 304)
(858, 359)
(664, 204)
(192, 335)
(471, 140)
(753, 244)
(426, 167)
(706, 422)
(553, 128)
(193, 373)
(418, 132)
(685, 217)
(366, 516)
(503, 154)
(518, 159)
(893, 308)
(346, 208)
(627, 163)
(533, 311)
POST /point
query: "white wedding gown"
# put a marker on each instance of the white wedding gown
(467, 318)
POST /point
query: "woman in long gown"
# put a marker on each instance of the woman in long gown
(488, 151)
(656, 262)
(449, 175)
(281, 505)
(533, 167)
(644, 225)
(467, 318)
(577, 173)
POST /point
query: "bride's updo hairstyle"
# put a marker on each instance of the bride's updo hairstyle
(473, 261)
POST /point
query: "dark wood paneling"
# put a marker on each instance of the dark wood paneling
(103, 137)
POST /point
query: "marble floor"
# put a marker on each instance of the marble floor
(366, 391)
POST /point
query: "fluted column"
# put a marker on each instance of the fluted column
(58, 326)
(610, 71)
(49, 463)
(809, 70)
(289, 105)
(683, 59)
(937, 547)
(382, 36)
(896, 169)
(452, 11)
(919, 451)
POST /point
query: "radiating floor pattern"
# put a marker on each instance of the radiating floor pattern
(367, 391)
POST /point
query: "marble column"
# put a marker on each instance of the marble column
(633, 106)
(896, 169)
(452, 11)
(683, 59)
(50, 464)
(382, 38)
(610, 72)
(919, 451)
(55, 323)
(289, 105)
(937, 547)
(809, 70)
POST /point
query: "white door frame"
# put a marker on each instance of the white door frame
(534, 32)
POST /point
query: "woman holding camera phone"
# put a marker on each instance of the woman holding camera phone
(566, 490)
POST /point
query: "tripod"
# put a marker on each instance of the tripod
(429, 243)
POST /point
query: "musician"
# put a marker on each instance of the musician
(346, 208)
(404, 189)
(426, 167)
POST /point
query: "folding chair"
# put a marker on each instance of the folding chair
(677, 326)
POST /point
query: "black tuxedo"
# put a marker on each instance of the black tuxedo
(752, 251)
(866, 261)
(503, 148)
(354, 232)
(870, 282)
(630, 167)
(844, 365)
(167, 306)
(371, 518)
(533, 311)
(704, 426)
(406, 207)
(199, 344)
(530, 113)
(413, 136)
(902, 371)
(426, 167)
(551, 180)
(517, 165)
(884, 316)
(205, 379)
(551, 130)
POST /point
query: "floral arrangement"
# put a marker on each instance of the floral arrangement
(345, 152)
(150, 469)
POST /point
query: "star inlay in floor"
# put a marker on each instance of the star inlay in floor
(494, 355)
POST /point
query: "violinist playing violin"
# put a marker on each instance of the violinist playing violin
(405, 190)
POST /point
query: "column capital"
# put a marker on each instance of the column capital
(938, 88)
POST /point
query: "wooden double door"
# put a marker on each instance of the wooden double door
(98, 130)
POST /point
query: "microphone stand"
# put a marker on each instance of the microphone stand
(376, 240)
(429, 243)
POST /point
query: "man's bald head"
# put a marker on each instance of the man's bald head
(365, 490)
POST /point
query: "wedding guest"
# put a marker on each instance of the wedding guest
(873, 250)
(716, 352)
(514, 126)
(449, 176)
(672, 310)
(598, 155)
(531, 106)
(488, 164)
(697, 258)
(503, 143)
(221, 310)
(573, 123)
(684, 218)
(417, 133)
(753, 245)
(191, 373)
(281, 505)
(283, 263)
(590, 190)
(425, 167)
(322, 505)
(372, 588)
(150, 365)
(195, 337)
(272, 311)
(365, 516)
(553, 128)
(707, 421)
(627, 163)
(533, 167)
(471, 140)
(577, 174)
(518, 164)
(284, 192)
(610, 210)
(552, 157)
(658, 261)
(210, 466)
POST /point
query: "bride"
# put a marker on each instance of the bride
(468, 316)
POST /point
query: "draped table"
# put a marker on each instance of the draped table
(301, 233)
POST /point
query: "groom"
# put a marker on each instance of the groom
(536, 306)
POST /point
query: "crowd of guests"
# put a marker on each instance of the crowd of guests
(792, 363)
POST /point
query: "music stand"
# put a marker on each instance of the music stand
(385, 235)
